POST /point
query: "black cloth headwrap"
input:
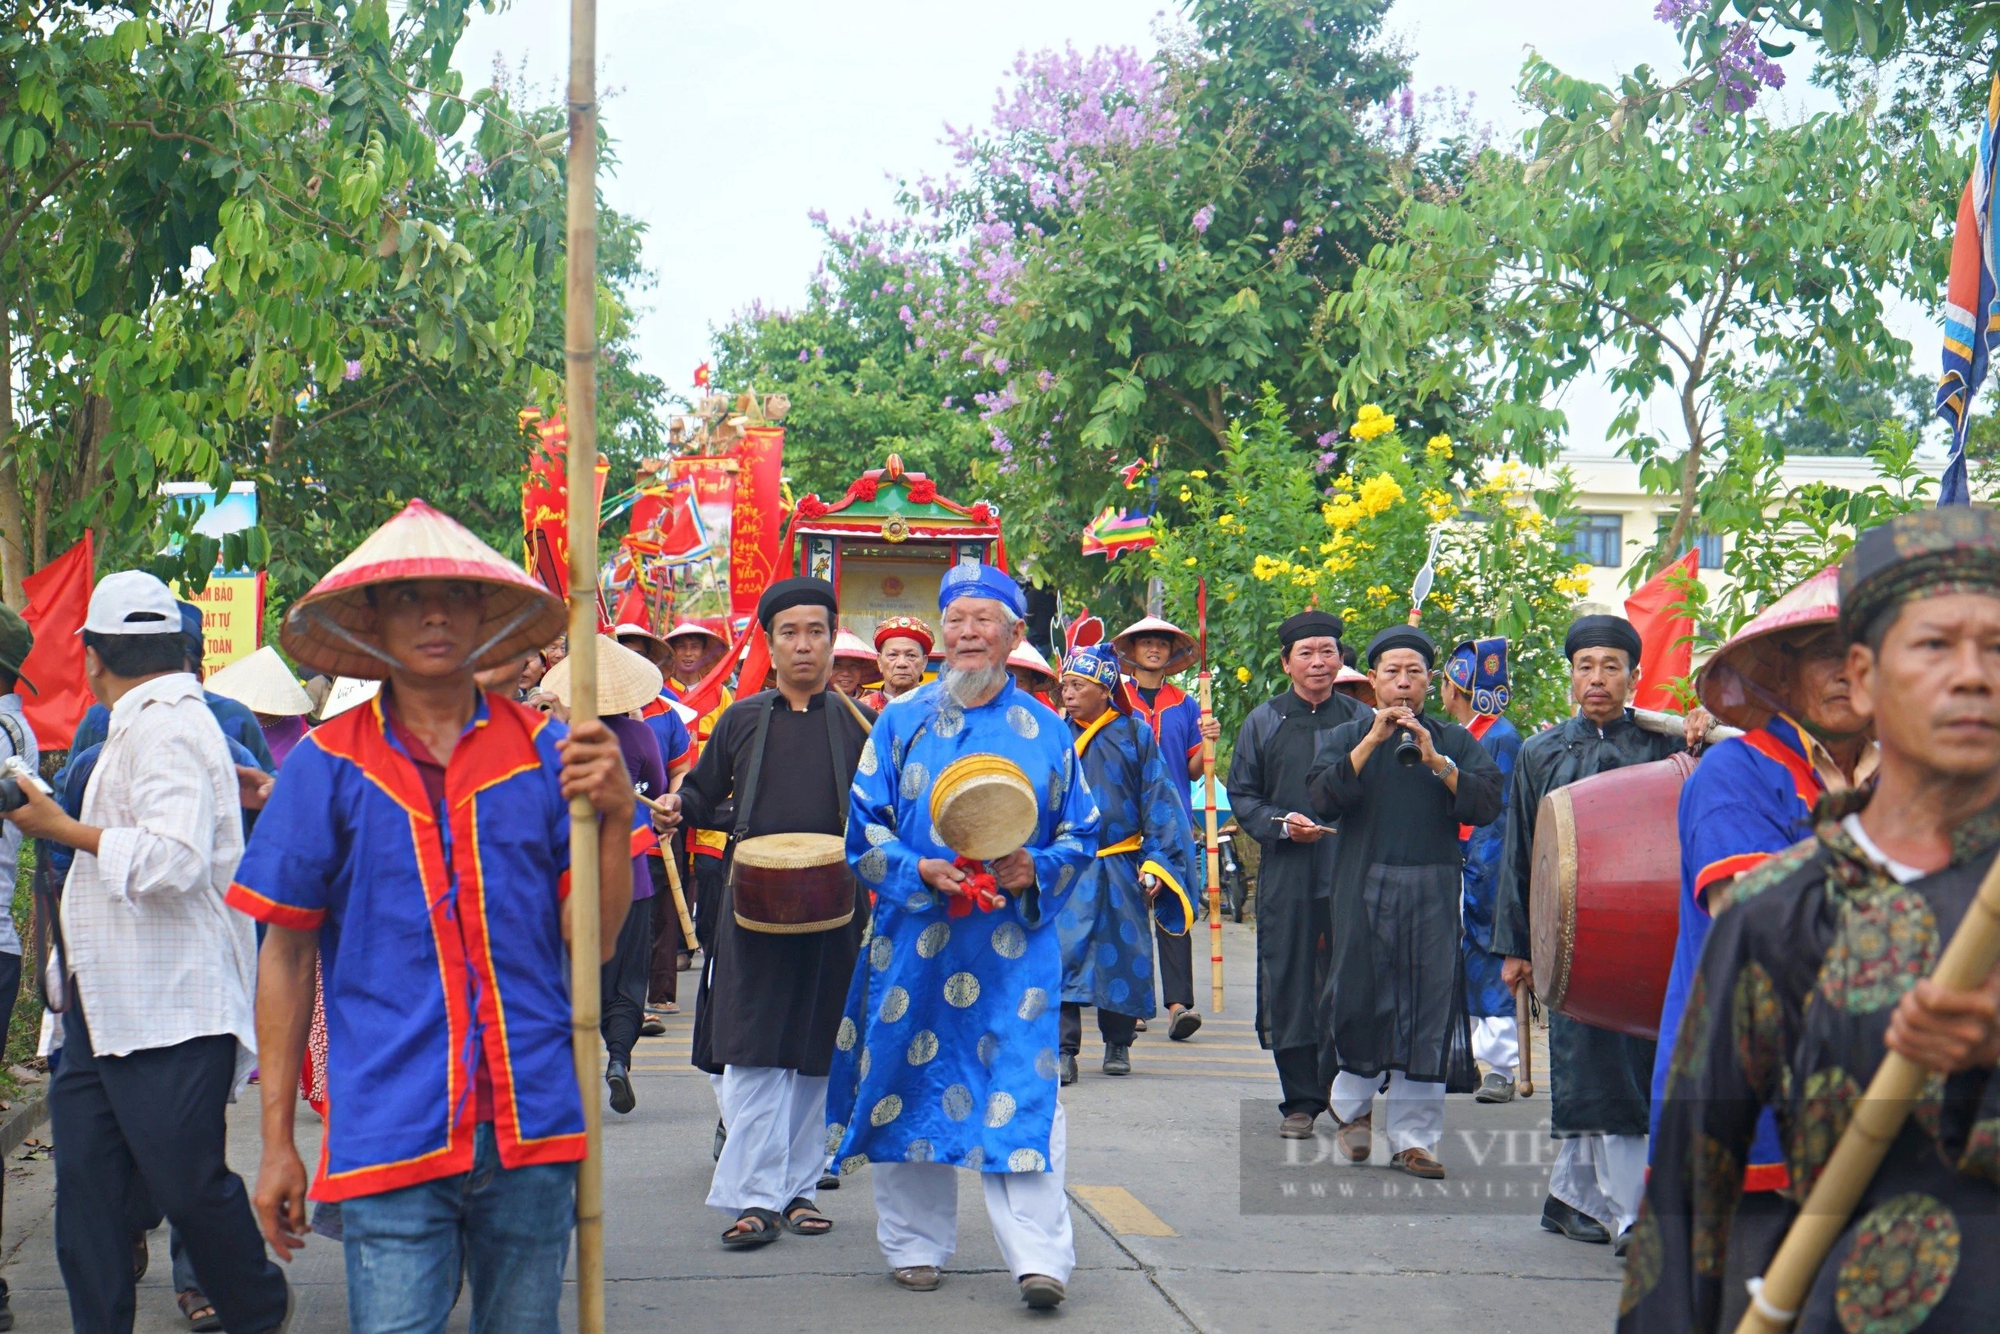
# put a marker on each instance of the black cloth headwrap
(1309, 625)
(1922, 554)
(1602, 632)
(1402, 636)
(800, 592)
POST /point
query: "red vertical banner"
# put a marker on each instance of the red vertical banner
(58, 599)
(1657, 610)
(758, 518)
(545, 499)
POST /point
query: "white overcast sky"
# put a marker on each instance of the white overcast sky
(733, 122)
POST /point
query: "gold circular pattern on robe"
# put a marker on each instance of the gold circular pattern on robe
(975, 1159)
(923, 1047)
(846, 1035)
(932, 939)
(1025, 1160)
(920, 1151)
(868, 763)
(853, 1163)
(988, 1048)
(895, 1004)
(1063, 877)
(1904, 1256)
(1009, 940)
(961, 989)
(880, 951)
(918, 902)
(866, 1062)
(999, 1109)
(835, 1133)
(1045, 1063)
(1023, 723)
(982, 807)
(950, 721)
(872, 866)
(885, 1111)
(957, 1102)
(877, 834)
(1034, 1003)
(915, 779)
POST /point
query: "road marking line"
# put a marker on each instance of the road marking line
(1120, 1211)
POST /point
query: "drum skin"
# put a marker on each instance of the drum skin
(791, 884)
(1604, 897)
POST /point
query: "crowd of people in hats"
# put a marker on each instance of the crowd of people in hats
(907, 867)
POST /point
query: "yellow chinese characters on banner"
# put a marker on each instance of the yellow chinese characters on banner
(232, 617)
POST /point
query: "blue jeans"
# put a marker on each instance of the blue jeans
(507, 1230)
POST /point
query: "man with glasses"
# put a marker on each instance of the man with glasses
(1401, 784)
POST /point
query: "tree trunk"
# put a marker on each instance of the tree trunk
(13, 543)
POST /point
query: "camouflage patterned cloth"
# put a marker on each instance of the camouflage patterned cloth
(1927, 553)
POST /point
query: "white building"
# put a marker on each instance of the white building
(1620, 520)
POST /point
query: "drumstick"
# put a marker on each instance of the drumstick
(1524, 1011)
(673, 873)
(1324, 829)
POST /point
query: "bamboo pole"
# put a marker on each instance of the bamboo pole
(1524, 1020)
(673, 875)
(1878, 1118)
(1214, 851)
(580, 403)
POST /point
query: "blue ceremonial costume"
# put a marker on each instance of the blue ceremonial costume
(1480, 669)
(1750, 798)
(1106, 929)
(947, 1052)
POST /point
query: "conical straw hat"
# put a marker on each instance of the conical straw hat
(1740, 684)
(263, 684)
(625, 680)
(331, 629)
(849, 645)
(1029, 657)
(693, 628)
(1177, 660)
(348, 692)
(983, 807)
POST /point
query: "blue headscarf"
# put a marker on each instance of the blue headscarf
(1097, 663)
(981, 581)
(1479, 668)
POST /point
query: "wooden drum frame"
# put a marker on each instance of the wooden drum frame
(792, 884)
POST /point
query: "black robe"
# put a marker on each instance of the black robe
(1394, 997)
(1798, 979)
(1275, 749)
(1600, 1082)
(775, 1000)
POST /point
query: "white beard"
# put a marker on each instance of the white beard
(968, 688)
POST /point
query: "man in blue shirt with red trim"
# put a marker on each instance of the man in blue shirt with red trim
(1783, 679)
(420, 846)
(1151, 650)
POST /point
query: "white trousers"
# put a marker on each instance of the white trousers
(777, 1138)
(1496, 1043)
(1603, 1176)
(1415, 1111)
(916, 1207)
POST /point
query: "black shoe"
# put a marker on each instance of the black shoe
(1572, 1222)
(622, 1100)
(829, 1181)
(1117, 1059)
(1623, 1244)
(6, 1312)
(1066, 1069)
(721, 1137)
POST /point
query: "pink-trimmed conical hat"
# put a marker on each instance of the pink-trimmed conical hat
(1029, 658)
(332, 628)
(1183, 642)
(1742, 683)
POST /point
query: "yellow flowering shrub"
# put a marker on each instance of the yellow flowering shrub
(1370, 423)
(1438, 447)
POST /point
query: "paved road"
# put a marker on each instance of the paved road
(1177, 1227)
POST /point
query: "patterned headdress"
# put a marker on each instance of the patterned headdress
(1097, 663)
(903, 627)
(1479, 668)
(1926, 553)
(981, 581)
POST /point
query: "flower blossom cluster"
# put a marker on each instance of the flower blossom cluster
(1742, 70)
(1371, 422)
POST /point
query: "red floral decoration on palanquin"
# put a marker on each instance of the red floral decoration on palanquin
(811, 507)
(863, 489)
(923, 491)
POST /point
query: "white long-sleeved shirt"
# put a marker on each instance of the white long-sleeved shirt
(156, 954)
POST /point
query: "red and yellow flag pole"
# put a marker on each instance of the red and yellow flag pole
(580, 404)
(1208, 809)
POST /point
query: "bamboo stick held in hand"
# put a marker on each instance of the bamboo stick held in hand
(580, 408)
(1214, 854)
(1878, 1118)
(1524, 1014)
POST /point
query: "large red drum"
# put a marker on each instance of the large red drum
(1604, 901)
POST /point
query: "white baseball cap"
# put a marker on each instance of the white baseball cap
(132, 602)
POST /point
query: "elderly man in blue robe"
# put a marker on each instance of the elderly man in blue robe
(947, 1055)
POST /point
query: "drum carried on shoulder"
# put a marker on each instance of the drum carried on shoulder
(792, 884)
(1604, 898)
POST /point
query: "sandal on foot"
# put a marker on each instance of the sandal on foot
(765, 1231)
(200, 1312)
(803, 1220)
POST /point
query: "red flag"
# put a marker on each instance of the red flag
(1658, 611)
(701, 376)
(58, 598)
(632, 607)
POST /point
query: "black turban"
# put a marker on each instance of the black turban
(1401, 636)
(1309, 625)
(1602, 632)
(1926, 553)
(800, 592)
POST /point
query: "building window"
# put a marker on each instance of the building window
(1599, 539)
(1710, 546)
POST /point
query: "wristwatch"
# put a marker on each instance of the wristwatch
(1450, 768)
